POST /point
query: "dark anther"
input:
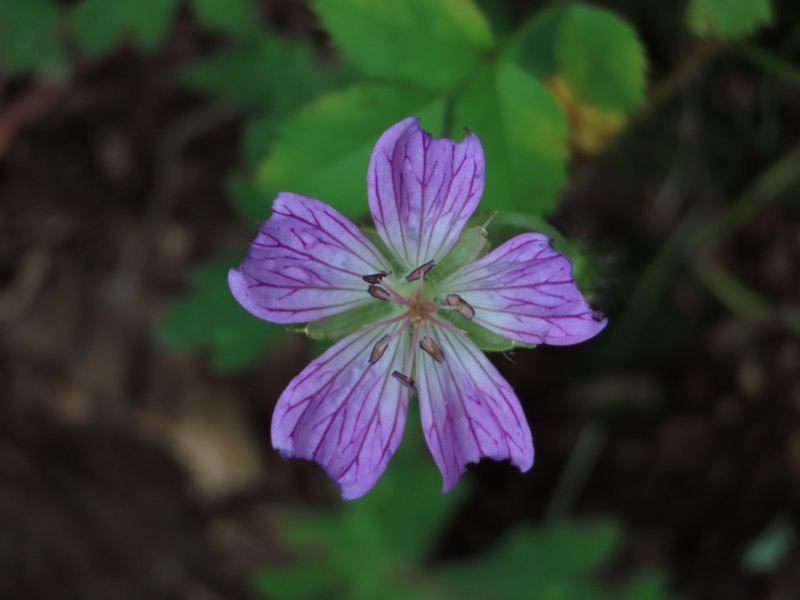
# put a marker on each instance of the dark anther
(405, 380)
(598, 316)
(379, 293)
(420, 271)
(432, 348)
(462, 306)
(375, 277)
(379, 349)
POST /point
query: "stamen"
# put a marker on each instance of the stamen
(379, 349)
(420, 271)
(432, 348)
(379, 293)
(376, 277)
(461, 306)
(405, 380)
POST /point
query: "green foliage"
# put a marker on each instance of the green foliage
(523, 133)
(431, 44)
(375, 547)
(601, 58)
(371, 548)
(727, 19)
(534, 45)
(235, 17)
(209, 318)
(30, 38)
(324, 149)
(265, 72)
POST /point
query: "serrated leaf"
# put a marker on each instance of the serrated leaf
(235, 17)
(727, 19)
(209, 318)
(524, 137)
(266, 72)
(433, 44)
(601, 58)
(324, 149)
(99, 25)
(29, 38)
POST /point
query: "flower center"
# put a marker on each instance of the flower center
(418, 316)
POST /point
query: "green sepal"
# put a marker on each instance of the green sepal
(394, 265)
(337, 326)
(486, 340)
(472, 244)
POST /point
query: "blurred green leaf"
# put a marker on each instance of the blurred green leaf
(768, 550)
(235, 17)
(266, 72)
(726, 19)
(373, 546)
(533, 46)
(435, 44)
(208, 317)
(324, 149)
(247, 199)
(601, 58)
(99, 25)
(559, 557)
(524, 137)
(29, 38)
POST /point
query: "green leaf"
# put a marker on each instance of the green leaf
(99, 25)
(296, 582)
(371, 547)
(533, 47)
(266, 72)
(248, 200)
(29, 38)
(323, 150)
(433, 44)
(235, 17)
(726, 19)
(555, 562)
(601, 58)
(524, 137)
(208, 317)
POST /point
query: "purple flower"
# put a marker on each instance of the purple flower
(413, 302)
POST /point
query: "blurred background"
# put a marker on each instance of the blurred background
(141, 141)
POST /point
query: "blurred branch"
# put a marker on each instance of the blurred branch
(677, 79)
(771, 63)
(581, 461)
(694, 239)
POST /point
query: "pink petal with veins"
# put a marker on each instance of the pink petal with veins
(524, 291)
(468, 410)
(422, 190)
(344, 412)
(307, 263)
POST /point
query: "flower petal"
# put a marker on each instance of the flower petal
(423, 190)
(344, 412)
(468, 410)
(306, 264)
(524, 291)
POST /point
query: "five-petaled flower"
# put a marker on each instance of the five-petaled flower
(431, 295)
